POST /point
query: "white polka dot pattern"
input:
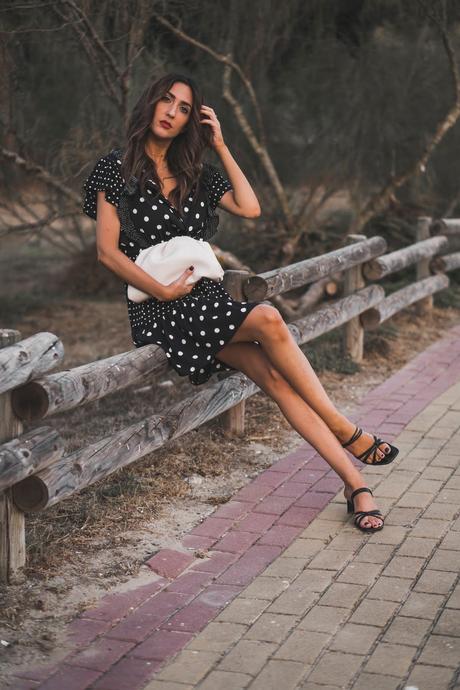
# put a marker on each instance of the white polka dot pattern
(219, 185)
(106, 177)
(191, 337)
(191, 330)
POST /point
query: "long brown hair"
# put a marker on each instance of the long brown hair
(185, 153)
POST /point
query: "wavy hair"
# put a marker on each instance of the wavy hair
(185, 153)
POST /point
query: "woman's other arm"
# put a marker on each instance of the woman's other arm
(109, 254)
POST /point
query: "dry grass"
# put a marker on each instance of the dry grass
(139, 492)
(100, 537)
(132, 496)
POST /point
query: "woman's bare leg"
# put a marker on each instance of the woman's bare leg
(252, 360)
(266, 325)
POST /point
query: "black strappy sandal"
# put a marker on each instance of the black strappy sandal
(364, 457)
(361, 514)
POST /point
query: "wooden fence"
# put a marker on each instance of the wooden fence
(35, 470)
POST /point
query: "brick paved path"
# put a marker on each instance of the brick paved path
(291, 595)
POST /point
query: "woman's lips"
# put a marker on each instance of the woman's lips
(165, 124)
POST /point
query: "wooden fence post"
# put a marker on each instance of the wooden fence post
(422, 232)
(353, 339)
(12, 520)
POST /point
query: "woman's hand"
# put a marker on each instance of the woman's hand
(178, 288)
(210, 118)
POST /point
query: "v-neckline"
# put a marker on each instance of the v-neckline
(167, 200)
(160, 193)
(170, 204)
(164, 195)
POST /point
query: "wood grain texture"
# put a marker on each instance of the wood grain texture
(422, 232)
(68, 389)
(403, 298)
(400, 259)
(98, 460)
(280, 280)
(446, 263)
(353, 336)
(336, 314)
(12, 520)
(445, 226)
(88, 465)
(26, 455)
(28, 358)
(9, 336)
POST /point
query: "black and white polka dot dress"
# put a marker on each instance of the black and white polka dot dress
(192, 329)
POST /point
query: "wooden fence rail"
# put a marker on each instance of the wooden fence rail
(28, 358)
(36, 472)
(74, 387)
(29, 454)
(71, 388)
(445, 226)
(403, 298)
(43, 446)
(271, 283)
(396, 261)
(444, 264)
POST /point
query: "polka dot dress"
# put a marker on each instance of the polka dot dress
(192, 329)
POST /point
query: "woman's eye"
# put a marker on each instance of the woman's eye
(184, 109)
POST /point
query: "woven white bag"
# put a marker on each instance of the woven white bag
(166, 261)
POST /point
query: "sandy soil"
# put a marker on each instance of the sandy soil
(99, 540)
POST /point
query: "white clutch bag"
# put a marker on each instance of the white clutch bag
(166, 261)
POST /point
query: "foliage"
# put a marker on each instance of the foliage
(450, 298)
(326, 352)
(349, 92)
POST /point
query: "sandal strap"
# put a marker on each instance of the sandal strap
(363, 513)
(363, 489)
(359, 517)
(372, 449)
(356, 434)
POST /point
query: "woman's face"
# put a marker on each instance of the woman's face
(173, 108)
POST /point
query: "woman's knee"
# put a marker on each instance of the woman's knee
(269, 322)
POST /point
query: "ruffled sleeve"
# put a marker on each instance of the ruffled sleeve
(218, 185)
(105, 177)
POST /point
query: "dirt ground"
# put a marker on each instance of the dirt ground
(99, 540)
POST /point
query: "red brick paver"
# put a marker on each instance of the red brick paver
(127, 637)
(169, 563)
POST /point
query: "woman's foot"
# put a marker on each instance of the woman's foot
(363, 502)
(361, 442)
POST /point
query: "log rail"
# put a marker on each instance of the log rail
(35, 470)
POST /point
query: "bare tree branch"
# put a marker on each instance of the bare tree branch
(34, 227)
(103, 63)
(40, 173)
(219, 57)
(256, 143)
(379, 202)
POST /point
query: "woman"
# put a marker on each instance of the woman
(200, 327)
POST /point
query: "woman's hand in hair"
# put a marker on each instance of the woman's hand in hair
(210, 118)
